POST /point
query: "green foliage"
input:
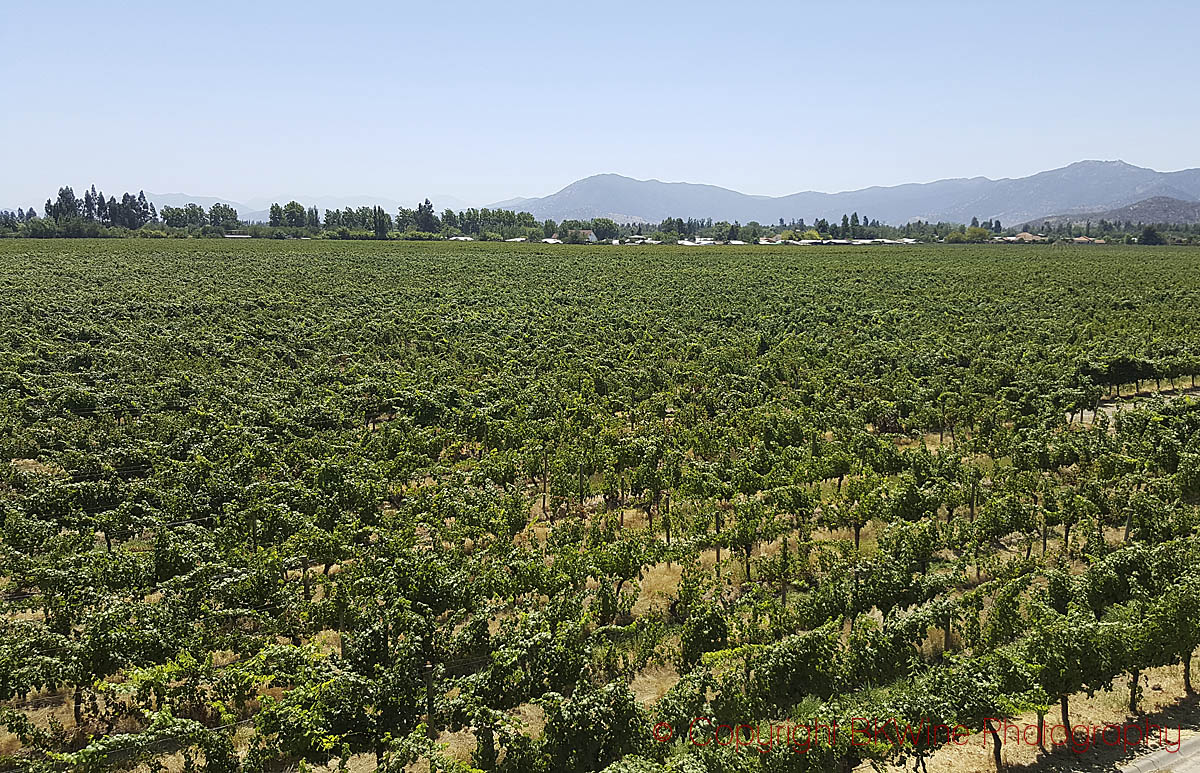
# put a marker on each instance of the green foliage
(704, 631)
(592, 729)
(282, 503)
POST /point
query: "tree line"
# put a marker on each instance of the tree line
(67, 215)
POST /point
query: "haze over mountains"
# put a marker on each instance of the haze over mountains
(1111, 190)
(1085, 186)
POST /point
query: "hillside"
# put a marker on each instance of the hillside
(1085, 186)
(1158, 209)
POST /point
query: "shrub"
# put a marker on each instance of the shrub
(706, 631)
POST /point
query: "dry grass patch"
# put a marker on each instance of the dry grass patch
(458, 745)
(37, 468)
(532, 719)
(650, 685)
(658, 586)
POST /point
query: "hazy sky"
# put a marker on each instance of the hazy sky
(486, 101)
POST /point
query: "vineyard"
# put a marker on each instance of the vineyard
(287, 505)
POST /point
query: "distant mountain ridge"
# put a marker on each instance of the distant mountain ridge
(1080, 187)
(1159, 209)
(1112, 190)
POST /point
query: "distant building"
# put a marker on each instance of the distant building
(1025, 236)
(584, 234)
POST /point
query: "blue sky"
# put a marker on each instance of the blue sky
(486, 101)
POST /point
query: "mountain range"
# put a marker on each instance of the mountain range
(1082, 187)
(1086, 190)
